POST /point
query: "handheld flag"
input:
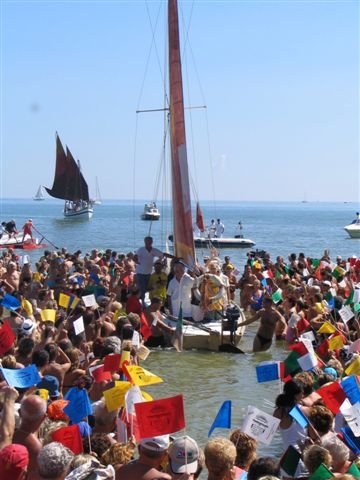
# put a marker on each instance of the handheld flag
(269, 370)
(7, 338)
(10, 302)
(70, 437)
(290, 460)
(21, 377)
(79, 405)
(333, 396)
(139, 376)
(321, 473)
(160, 417)
(326, 327)
(299, 416)
(48, 315)
(223, 417)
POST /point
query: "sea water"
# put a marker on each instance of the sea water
(205, 379)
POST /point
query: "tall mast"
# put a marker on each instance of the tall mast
(182, 219)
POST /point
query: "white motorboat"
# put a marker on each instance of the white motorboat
(151, 212)
(354, 228)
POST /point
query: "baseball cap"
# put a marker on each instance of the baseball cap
(156, 444)
(13, 460)
(28, 326)
(326, 282)
(50, 383)
(184, 455)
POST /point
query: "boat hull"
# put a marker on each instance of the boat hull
(353, 230)
(7, 241)
(38, 199)
(195, 338)
(85, 213)
(228, 242)
(150, 216)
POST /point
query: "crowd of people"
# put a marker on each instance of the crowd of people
(120, 302)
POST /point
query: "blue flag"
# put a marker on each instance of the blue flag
(10, 302)
(299, 416)
(95, 278)
(351, 387)
(21, 377)
(351, 441)
(267, 371)
(223, 417)
(79, 405)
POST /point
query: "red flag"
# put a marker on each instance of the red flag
(302, 325)
(200, 218)
(100, 375)
(333, 396)
(145, 330)
(323, 349)
(160, 417)
(70, 437)
(112, 362)
(7, 338)
(299, 348)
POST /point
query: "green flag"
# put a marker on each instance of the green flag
(291, 364)
(350, 298)
(315, 262)
(321, 473)
(277, 296)
(354, 470)
(357, 307)
(290, 461)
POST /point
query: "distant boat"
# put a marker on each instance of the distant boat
(70, 185)
(97, 200)
(39, 194)
(151, 212)
(354, 228)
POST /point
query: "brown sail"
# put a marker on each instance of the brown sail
(69, 183)
(182, 218)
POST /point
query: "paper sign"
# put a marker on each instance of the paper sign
(308, 362)
(89, 300)
(48, 315)
(7, 338)
(160, 417)
(141, 377)
(136, 339)
(309, 336)
(143, 352)
(70, 437)
(352, 417)
(260, 425)
(79, 325)
(21, 377)
(115, 397)
(346, 313)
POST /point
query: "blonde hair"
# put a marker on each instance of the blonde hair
(220, 455)
(48, 427)
(118, 453)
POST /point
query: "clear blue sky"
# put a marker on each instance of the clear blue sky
(280, 81)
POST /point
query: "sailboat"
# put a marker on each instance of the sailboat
(39, 194)
(97, 200)
(70, 185)
(218, 334)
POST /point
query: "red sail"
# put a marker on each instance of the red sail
(183, 231)
(200, 218)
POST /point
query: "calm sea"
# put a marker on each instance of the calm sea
(205, 379)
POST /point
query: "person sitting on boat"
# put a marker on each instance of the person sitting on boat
(219, 228)
(159, 328)
(179, 291)
(27, 229)
(210, 290)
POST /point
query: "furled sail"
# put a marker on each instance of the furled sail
(183, 229)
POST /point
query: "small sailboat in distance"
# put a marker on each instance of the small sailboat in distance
(39, 194)
(97, 200)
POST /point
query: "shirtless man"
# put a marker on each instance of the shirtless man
(11, 278)
(268, 317)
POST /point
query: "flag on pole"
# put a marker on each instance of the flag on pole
(223, 417)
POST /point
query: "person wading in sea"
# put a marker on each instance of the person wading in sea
(268, 317)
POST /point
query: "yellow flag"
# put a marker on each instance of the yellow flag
(354, 367)
(74, 303)
(64, 300)
(115, 397)
(140, 376)
(146, 396)
(336, 342)
(36, 277)
(125, 357)
(26, 305)
(327, 327)
(43, 393)
(48, 315)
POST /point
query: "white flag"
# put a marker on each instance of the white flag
(346, 313)
(79, 325)
(260, 425)
(89, 300)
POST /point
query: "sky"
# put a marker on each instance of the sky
(279, 79)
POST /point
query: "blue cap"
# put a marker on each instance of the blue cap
(331, 371)
(50, 383)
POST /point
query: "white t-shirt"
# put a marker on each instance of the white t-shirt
(146, 260)
(181, 292)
